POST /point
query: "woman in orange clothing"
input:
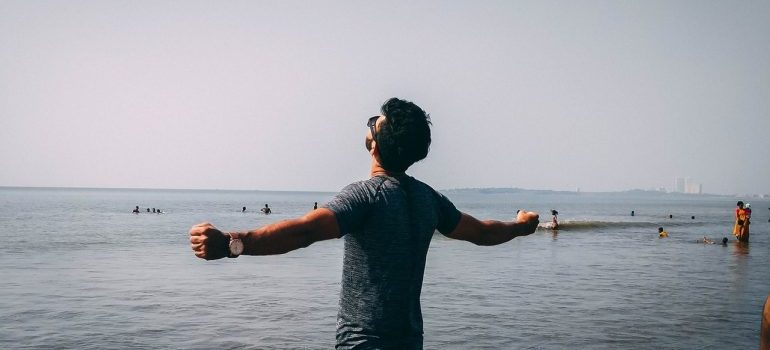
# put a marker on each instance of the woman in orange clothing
(741, 228)
(764, 332)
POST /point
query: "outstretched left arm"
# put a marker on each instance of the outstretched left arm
(492, 232)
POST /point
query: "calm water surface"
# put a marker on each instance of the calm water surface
(79, 270)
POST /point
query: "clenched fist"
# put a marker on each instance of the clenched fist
(208, 242)
(529, 221)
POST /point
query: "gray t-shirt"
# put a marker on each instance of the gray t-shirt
(388, 223)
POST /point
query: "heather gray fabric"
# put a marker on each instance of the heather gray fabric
(388, 223)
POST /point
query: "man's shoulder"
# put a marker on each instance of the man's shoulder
(426, 187)
(423, 184)
(361, 185)
(360, 189)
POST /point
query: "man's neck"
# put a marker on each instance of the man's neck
(377, 170)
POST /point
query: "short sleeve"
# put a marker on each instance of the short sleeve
(350, 207)
(448, 217)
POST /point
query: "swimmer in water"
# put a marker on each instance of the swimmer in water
(661, 233)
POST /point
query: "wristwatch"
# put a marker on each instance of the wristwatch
(235, 246)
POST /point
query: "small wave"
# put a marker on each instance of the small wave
(587, 225)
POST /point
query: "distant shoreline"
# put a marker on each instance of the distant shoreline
(469, 190)
(140, 189)
(515, 190)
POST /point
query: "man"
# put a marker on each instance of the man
(388, 222)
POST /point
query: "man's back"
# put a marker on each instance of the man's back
(388, 223)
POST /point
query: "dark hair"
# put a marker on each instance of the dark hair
(660, 229)
(740, 203)
(404, 136)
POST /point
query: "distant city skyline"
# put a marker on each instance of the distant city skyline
(274, 95)
(687, 185)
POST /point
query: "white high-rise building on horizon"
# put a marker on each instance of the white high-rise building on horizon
(679, 185)
(687, 185)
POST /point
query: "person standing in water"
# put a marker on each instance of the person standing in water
(554, 220)
(661, 233)
(266, 210)
(741, 227)
(387, 222)
(748, 212)
(764, 328)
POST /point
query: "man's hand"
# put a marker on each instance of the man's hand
(209, 243)
(528, 221)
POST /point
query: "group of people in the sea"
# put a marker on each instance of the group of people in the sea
(154, 211)
(266, 210)
(740, 229)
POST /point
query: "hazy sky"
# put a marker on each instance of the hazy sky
(274, 95)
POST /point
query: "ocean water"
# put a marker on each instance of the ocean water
(79, 271)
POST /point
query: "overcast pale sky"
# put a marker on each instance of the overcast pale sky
(274, 95)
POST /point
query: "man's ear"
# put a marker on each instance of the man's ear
(375, 152)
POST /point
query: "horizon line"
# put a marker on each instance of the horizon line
(324, 191)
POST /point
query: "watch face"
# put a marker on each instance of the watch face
(236, 247)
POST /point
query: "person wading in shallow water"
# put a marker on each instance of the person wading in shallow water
(387, 222)
(554, 219)
(764, 328)
(742, 221)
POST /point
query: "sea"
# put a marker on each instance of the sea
(78, 270)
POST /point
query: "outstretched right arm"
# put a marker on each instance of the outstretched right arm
(492, 232)
(281, 237)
